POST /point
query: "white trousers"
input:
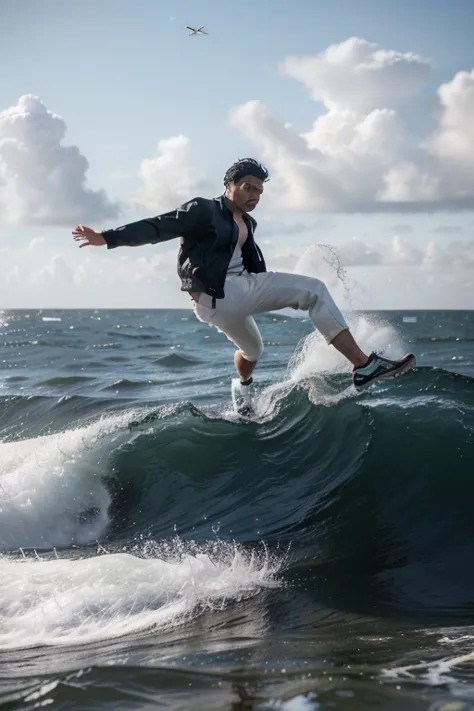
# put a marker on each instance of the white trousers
(250, 294)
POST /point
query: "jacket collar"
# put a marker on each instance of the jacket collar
(246, 216)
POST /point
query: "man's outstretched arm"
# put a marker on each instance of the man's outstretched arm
(148, 231)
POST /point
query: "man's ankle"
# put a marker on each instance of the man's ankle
(362, 363)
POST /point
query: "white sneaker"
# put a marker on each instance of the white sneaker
(242, 396)
(378, 368)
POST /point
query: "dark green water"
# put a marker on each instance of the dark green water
(158, 552)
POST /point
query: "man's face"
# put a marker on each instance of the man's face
(246, 193)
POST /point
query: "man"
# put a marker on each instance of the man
(223, 270)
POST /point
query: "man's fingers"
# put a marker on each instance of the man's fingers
(83, 240)
(83, 234)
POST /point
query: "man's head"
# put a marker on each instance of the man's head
(244, 183)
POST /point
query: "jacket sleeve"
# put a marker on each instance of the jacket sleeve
(151, 230)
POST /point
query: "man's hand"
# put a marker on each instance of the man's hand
(87, 236)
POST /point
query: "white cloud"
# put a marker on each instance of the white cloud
(401, 228)
(282, 228)
(40, 276)
(456, 134)
(361, 154)
(392, 275)
(55, 271)
(398, 252)
(447, 230)
(389, 275)
(453, 142)
(41, 180)
(410, 287)
(359, 75)
(170, 179)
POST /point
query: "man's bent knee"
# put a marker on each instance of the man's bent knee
(252, 353)
(252, 356)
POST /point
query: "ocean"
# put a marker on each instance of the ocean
(159, 552)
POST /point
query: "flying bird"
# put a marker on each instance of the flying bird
(196, 30)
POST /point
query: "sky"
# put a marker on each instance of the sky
(362, 111)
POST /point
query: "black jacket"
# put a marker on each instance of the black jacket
(208, 238)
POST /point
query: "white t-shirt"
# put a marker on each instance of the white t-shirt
(236, 264)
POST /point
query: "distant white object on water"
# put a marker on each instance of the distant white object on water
(409, 319)
(196, 30)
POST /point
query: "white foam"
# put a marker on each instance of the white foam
(315, 356)
(108, 596)
(371, 333)
(436, 672)
(298, 703)
(314, 359)
(48, 482)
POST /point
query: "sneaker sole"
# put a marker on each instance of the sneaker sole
(392, 375)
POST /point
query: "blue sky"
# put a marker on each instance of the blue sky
(124, 76)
